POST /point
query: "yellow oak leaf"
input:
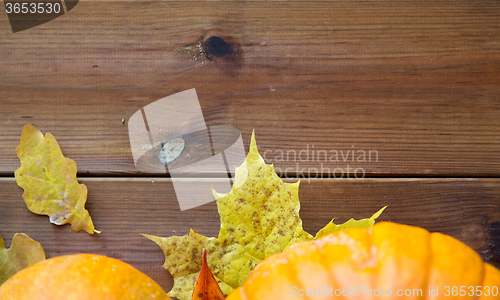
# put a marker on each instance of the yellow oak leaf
(49, 181)
(23, 252)
(259, 217)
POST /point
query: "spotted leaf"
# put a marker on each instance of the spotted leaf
(259, 217)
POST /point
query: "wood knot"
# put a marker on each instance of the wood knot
(216, 46)
(223, 51)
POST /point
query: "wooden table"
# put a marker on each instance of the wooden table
(416, 81)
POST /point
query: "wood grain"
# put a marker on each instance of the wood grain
(467, 209)
(416, 81)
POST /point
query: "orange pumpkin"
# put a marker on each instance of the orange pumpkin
(81, 277)
(390, 261)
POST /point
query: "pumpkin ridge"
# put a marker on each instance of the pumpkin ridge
(242, 293)
(447, 251)
(322, 253)
(491, 278)
(341, 238)
(295, 272)
(370, 245)
(294, 267)
(372, 255)
(482, 281)
(429, 265)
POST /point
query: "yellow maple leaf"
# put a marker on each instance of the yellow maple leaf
(23, 252)
(49, 181)
(259, 217)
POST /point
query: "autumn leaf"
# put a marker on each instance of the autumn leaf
(206, 287)
(49, 181)
(259, 217)
(22, 253)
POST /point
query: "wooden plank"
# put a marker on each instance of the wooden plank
(468, 209)
(418, 82)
